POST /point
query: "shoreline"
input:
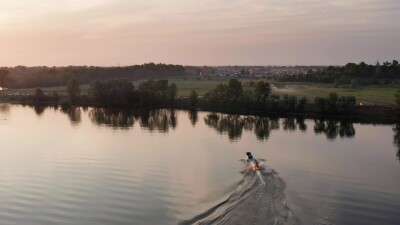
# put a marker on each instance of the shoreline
(363, 114)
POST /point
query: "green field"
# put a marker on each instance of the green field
(369, 95)
(185, 86)
(200, 86)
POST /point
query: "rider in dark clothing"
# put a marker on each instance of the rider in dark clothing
(250, 158)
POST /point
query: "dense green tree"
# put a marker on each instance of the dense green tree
(235, 90)
(345, 103)
(395, 65)
(153, 93)
(292, 103)
(193, 99)
(148, 93)
(248, 100)
(218, 97)
(289, 102)
(39, 95)
(335, 103)
(262, 91)
(332, 101)
(285, 100)
(301, 104)
(275, 102)
(73, 90)
(172, 92)
(320, 103)
(117, 92)
(55, 97)
(354, 83)
(364, 73)
(397, 99)
(3, 77)
(226, 96)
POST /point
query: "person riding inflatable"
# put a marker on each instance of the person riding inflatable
(251, 159)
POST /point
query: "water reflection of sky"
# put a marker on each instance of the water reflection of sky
(176, 164)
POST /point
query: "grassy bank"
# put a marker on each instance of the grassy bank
(367, 95)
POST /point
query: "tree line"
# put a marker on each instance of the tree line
(228, 97)
(110, 93)
(234, 125)
(31, 77)
(335, 103)
(232, 97)
(121, 92)
(362, 73)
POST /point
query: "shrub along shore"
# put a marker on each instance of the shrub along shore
(228, 98)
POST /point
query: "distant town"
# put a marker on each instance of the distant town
(251, 71)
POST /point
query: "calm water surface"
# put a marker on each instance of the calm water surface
(95, 166)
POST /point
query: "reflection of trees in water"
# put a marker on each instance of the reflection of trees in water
(39, 109)
(193, 116)
(4, 108)
(396, 139)
(155, 120)
(398, 153)
(85, 108)
(300, 122)
(233, 125)
(289, 124)
(158, 120)
(74, 114)
(264, 125)
(292, 124)
(230, 124)
(333, 128)
(112, 118)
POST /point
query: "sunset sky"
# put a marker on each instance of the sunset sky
(198, 32)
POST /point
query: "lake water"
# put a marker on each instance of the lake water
(96, 166)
